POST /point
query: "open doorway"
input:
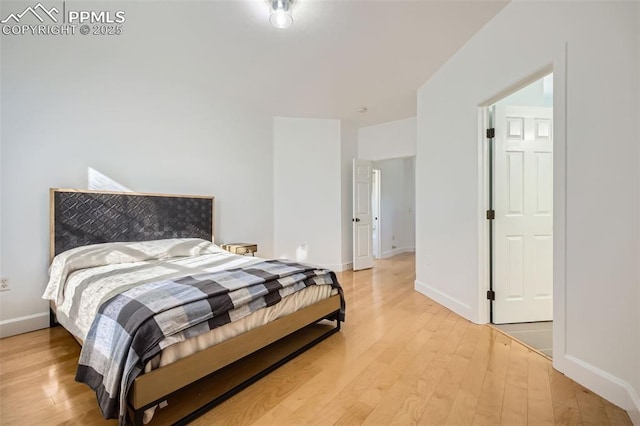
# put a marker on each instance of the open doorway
(521, 214)
(383, 210)
(396, 201)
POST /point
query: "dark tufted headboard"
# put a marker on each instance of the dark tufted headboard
(81, 217)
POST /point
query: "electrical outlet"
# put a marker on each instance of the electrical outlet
(4, 284)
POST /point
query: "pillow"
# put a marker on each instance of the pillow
(104, 254)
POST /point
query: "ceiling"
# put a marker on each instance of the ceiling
(337, 56)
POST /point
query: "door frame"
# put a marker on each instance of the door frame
(559, 69)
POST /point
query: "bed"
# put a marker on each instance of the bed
(212, 322)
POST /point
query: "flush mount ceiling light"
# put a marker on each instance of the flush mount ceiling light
(362, 109)
(280, 13)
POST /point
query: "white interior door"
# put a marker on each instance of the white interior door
(523, 204)
(362, 230)
(375, 211)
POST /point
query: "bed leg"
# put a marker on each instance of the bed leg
(138, 415)
(52, 318)
(335, 317)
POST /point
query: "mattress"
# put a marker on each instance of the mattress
(286, 306)
(82, 279)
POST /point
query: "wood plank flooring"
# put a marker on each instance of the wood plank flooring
(400, 359)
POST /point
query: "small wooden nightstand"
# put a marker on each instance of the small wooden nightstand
(240, 248)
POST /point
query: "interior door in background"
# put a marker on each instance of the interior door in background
(362, 224)
(523, 204)
(375, 211)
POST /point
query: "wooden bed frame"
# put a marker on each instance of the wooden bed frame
(195, 384)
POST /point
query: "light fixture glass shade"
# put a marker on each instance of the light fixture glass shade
(281, 16)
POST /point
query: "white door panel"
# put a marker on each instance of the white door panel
(362, 223)
(363, 241)
(523, 204)
(375, 211)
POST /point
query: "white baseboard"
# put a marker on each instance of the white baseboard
(395, 252)
(337, 267)
(608, 386)
(20, 325)
(347, 266)
(633, 406)
(444, 299)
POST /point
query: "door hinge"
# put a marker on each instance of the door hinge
(491, 133)
(491, 295)
(491, 214)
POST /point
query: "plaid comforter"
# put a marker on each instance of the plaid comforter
(129, 328)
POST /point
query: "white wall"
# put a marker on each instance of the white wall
(410, 201)
(395, 139)
(349, 151)
(636, 417)
(397, 205)
(2, 178)
(538, 94)
(600, 254)
(134, 114)
(307, 183)
(637, 387)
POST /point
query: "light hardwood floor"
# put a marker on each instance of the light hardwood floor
(400, 359)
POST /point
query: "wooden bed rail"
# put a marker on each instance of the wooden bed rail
(158, 385)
